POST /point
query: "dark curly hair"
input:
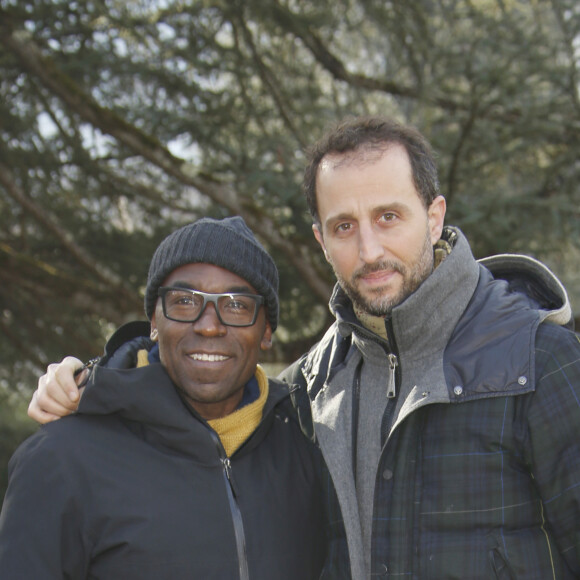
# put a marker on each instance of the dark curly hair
(373, 134)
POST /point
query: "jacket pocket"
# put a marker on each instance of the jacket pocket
(525, 554)
(500, 565)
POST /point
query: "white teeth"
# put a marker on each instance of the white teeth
(208, 357)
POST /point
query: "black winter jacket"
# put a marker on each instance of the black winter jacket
(137, 486)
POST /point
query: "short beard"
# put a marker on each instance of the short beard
(379, 305)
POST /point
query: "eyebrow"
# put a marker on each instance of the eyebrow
(231, 290)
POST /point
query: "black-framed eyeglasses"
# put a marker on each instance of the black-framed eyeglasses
(232, 309)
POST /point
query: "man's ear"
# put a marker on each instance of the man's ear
(436, 217)
(320, 240)
(266, 342)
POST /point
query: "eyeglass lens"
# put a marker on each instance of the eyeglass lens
(188, 306)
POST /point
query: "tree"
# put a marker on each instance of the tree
(120, 121)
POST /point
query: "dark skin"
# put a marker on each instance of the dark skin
(209, 362)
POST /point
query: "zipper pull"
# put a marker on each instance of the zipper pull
(228, 471)
(391, 386)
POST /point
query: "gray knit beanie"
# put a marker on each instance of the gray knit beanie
(228, 243)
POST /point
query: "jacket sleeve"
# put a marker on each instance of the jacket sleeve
(40, 527)
(554, 431)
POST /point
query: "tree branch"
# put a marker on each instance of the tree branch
(50, 223)
(44, 69)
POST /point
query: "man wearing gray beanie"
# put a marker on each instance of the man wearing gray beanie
(228, 243)
(183, 460)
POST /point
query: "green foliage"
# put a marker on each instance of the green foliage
(120, 121)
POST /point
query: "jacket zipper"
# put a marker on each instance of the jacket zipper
(234, 509)
(392, 384)
(394, 372)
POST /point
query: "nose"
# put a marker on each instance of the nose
(208, 324)
(370, 246)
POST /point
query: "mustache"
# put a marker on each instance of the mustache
(378, 267)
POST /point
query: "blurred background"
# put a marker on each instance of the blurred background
(120, 121)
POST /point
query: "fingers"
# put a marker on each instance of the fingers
(37, 414)
(57, 394)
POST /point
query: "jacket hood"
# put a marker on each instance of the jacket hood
(535, 280)
(147, 401)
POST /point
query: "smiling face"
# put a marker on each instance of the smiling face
(374, 228)
(210, 363)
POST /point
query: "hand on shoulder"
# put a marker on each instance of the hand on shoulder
(57, 394)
